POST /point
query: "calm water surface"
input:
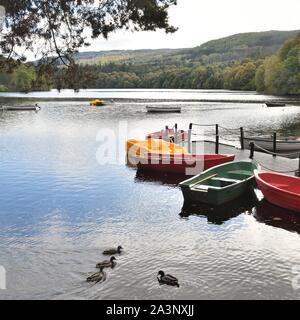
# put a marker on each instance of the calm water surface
(60, 209)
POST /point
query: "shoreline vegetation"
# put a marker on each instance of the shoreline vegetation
(276, 74)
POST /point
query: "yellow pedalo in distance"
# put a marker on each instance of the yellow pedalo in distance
(97, 103)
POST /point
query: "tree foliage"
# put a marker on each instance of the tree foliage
(56, 29)
(280, 73)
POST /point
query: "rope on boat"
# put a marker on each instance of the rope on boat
(276, 154)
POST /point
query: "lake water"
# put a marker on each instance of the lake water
(60, 208)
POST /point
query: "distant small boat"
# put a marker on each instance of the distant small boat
(163, 109)
(280, 189)
(180, 163)
(97, 103)
(282, 144)
(169, 135)
(275, 104)
(21, 108)
(220, 184)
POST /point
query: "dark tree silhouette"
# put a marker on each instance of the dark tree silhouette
(56, 29)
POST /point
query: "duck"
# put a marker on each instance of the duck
(167, 279)
(110, 252)
(97, 277)
(107, 263)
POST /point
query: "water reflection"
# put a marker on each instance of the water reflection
(159, 178)
(277, 217)
(220, 214)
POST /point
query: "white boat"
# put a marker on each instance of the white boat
(283, 145)
(20, 108)
(163, 109)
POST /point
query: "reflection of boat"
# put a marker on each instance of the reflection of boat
(97, 103)
(274, 216)
(275, 104)
(220, 184)
(158, 177)
(169, 135)
(21, 108)
(282, 144)
(188, 164)
(163, 109)
(220, 214)
(280, 189)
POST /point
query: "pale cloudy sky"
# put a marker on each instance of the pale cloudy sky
(203, 20)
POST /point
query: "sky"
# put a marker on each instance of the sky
(200, 21)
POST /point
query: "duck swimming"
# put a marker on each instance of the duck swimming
(107, 263)
(97, 277)
(167, 279)
(110, 252)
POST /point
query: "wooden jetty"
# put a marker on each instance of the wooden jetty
(270, 161)
(267, 161)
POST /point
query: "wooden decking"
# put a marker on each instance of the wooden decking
(267, 162)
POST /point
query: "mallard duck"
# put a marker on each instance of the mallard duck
(110, 252)
(97, 277)
(107, 263)
(167, 279)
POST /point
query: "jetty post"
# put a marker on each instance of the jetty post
(217, 139)
(176, 133)
(190, 138)
(274, 144)
(251, 144)
(242, 138)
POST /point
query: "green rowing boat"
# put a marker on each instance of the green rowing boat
(220, 184)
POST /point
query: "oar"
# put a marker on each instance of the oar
(205, 179)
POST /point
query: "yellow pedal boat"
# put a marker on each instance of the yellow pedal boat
(142, 148)
(97, 103)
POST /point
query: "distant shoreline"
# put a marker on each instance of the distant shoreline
(141, 100)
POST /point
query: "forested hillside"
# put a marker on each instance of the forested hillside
(266, 62)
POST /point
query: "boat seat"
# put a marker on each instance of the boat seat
(239, 173)
(226, 180)
(201, 187)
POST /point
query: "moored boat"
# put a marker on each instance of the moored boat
(169, 135)
(97, 103)
(184, 164)
(275, 104)
(282, 144)
(139, 149)
(220, 184)
(279, 189)
(163, 109)
(21, 108)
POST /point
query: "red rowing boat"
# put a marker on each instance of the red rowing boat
(280, 189)
(169, 135)
(187, 164)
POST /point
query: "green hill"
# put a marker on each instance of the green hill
(235, 47)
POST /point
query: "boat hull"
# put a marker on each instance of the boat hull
(274, 104)
(267, 143)
(182, 164)
(163, 110)
(21, 108)
(223, 183)
(279, 189)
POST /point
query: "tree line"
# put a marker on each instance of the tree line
(278, 74)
